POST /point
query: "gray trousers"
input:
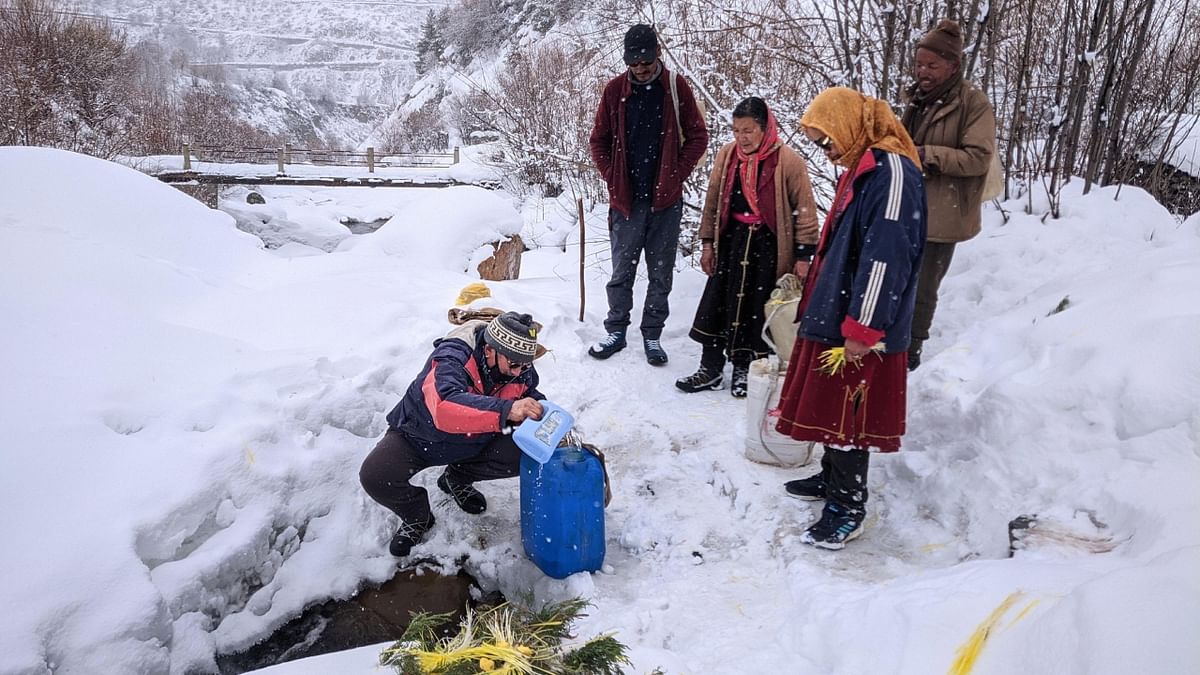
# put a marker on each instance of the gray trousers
(386, 472)
(656, 233)
(934, 264)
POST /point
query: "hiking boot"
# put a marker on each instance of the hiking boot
(655, 355)
(701, 380)
(408, 536)
(739, 382)
(611, 344)
(465, 495)
(809, 489)
(837, 526)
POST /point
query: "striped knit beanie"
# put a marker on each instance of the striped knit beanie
(513, 335)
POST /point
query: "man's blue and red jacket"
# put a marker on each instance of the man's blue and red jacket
(453, 409)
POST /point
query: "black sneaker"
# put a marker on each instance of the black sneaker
(809, 489)
(739, 382)
(837, 526)
(701, 380)
(408, 536)
(655, 355)
(465, 495)
(611, 344)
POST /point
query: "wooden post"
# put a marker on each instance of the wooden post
(287, 153)
(455, 154)
(582, 240)
(187, 157)
(371, 160)
(279, 160)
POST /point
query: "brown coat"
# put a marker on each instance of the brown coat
(958, 138)
(795, 210)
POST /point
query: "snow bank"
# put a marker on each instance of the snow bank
(184, 415)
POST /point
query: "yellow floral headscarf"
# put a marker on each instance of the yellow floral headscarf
(855, 123)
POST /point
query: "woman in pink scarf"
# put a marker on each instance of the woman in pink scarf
(759, 223)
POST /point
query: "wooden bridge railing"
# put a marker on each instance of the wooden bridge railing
(290, 155)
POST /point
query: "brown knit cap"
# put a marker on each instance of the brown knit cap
(946, 41)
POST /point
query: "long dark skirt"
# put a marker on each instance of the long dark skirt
(863, 406)
(730, 317)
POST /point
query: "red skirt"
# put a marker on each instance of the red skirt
(861, 407)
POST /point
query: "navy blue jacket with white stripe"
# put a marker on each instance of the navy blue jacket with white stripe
(863, 281)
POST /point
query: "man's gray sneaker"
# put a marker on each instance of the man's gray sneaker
(609, 345)
(655, 354)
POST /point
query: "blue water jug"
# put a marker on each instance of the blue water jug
(539, 438)
(562, 512)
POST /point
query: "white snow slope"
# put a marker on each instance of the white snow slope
(183, 415)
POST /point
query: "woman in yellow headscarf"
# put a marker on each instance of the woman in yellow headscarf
(858, 304)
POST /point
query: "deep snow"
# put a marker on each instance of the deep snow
(184, 413)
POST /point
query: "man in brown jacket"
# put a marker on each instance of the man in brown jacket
(646, 139)
(953, 125)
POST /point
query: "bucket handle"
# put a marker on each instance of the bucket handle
(603, 467)
(762, 427)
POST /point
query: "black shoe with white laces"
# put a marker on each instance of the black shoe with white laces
(609, 345)
(838, 525)
(655, 354)
(465, 495)
(739, 382)
(409, 535)
(701, 380)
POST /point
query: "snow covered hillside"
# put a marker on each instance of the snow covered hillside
(184, 413)
(345, 50)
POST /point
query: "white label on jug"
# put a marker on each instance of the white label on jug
(548, 427)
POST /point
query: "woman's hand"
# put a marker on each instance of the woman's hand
(708, 260)
(855, 350)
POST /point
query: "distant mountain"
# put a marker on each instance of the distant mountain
(340, 66)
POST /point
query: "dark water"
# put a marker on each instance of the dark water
(374, 615)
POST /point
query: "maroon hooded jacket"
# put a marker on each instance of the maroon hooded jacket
(676, 160)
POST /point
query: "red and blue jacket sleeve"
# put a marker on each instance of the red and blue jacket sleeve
(450, 391)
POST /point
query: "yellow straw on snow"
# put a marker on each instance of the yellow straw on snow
(968, 653)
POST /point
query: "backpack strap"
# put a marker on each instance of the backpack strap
(675, 104)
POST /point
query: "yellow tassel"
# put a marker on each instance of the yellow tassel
(968, 653)
(833, 360)
(487, 665)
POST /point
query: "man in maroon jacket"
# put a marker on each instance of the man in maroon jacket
(648, 135)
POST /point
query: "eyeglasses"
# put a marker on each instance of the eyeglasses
(824, 143)
(514, 365)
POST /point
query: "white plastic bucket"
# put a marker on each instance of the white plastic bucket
(763, 443)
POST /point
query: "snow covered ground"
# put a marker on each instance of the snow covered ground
(184, 412)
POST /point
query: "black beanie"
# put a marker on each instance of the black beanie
(513, 335)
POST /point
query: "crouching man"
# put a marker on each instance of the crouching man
(479, 378)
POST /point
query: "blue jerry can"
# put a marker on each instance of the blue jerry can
(562, 512)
